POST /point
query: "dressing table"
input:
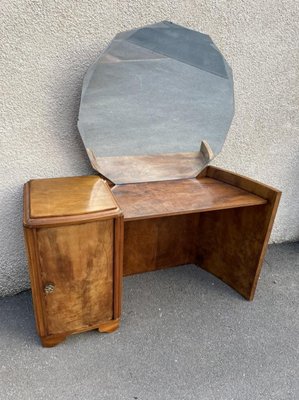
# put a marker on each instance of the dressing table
(155, 109)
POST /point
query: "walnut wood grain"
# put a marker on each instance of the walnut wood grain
(56, 220)
(35, 280)
(69, 196)
(155, 199)
(156, 243)
(75, 266)
(118, 266)
(148, 168)
(243, 182)
(220, 221)
(228, 241)
(52, 340)
(231, 245)
(109, 327)
(78, 261)
(234, 242)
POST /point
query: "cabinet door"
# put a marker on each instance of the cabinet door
(76, 266)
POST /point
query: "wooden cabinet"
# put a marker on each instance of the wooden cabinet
(73, 230)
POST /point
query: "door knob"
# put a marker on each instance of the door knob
(49, 288)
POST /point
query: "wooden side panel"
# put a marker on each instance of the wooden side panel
(76, 264)
(266, 192)
(233, 244)
(118, 265)
(37, 298)
(157, 243)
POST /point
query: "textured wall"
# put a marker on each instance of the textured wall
(46, 47)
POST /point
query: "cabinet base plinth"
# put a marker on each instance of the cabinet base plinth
(105, 327)
(109, 327)
(51, 341)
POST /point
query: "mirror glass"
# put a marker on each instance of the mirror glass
(157, 104)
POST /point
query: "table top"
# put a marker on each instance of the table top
(165, 198)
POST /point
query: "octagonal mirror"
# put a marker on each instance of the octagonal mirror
(156, 105)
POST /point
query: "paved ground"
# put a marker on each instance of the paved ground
(184, 335)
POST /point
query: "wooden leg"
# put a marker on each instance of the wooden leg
(51, 341)
(109, 327)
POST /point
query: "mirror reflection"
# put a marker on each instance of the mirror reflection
(158, 101)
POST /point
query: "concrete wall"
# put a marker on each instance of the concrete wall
(47, 46)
